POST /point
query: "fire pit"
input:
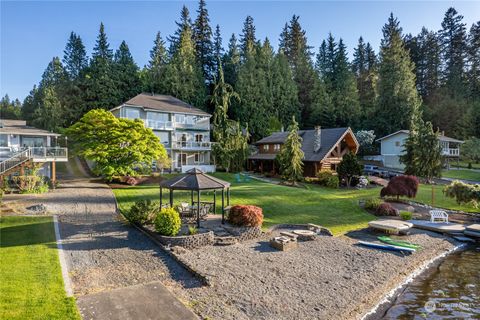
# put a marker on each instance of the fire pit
(283, 243)
(305, 235)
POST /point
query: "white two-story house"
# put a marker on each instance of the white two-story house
(392, 146)
(183, 129)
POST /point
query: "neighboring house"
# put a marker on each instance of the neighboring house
(21, 145)
(183, 129)
(323, 150)
(392, 147)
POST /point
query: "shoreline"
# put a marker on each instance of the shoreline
(389, 298)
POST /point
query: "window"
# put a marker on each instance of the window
(3, 140)
(33, 141)
(164, 137)
(265, 147)
(397, 143)
(157, 116)
(333, 167)
(132, 113)
(198, 137)
(199, 158)
(276, 147)
(180, 118)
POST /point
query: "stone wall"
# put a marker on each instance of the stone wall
(245, 233)
(189, 242)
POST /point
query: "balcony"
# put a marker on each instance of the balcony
(451, 152)
(44, 154)
(159, 125)
(199, 125)
(189, 145)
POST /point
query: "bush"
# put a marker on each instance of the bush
(386, 209)
(401, 186)
(406, 215)
(328, 179)
(167, 222)
(142, 212)
(247, 216)
(131, 181)
(372, 204)
(463, 192)
(192, 230)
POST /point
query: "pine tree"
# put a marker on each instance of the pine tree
(49, 115)
(474, 60)
(54, 75)
(155, 70)
(183, 75)
(100, 86)
(202, 35)
(291, 155)
(10, 109)
(75, 57)
(184, 23)
(30, 104)
(231, 61)
(217, 49)
(126, 73)
(398, 100)
(248, 39)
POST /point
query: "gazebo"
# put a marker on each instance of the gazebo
(195, 180)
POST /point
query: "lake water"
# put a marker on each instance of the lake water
(449, 291)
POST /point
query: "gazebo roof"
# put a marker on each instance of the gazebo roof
(194, 179)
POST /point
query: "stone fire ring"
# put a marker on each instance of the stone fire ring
(305, 234)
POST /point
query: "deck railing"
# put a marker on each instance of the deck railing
(15, 160)
(192, 145)
(38, 153)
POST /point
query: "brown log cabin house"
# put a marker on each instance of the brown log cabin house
(323, 150)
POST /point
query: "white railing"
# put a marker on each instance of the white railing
(451, 152)
(54, 153)
(15, 160)
(159, 125)
(201, 125)
(203, 167)
(191, 145)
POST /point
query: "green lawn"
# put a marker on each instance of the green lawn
(31, 283)
(463, 164)
(462, 174)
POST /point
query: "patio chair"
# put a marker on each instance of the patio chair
(186, 212)
(438, 216)
(238, 178)
(205, 210)
(246, 178)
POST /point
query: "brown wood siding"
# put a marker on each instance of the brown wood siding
(271, 148)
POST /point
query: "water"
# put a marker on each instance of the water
(449, 291)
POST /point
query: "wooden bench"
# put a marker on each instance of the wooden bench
(438, 215)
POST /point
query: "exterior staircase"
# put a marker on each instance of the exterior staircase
(15, 161)
(34, 154)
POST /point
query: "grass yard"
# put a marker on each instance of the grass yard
(462, 174)
(463, 164)
(31, 282)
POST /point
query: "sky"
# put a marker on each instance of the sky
(33, 32)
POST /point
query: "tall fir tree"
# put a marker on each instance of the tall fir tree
(10, 109)
(474, 61)
(183, 75)
(100, 85)
(184, 23)
(74, 56)
(231, 61)
(291, 155)
(398, 99)
(155, 70)
(126, 73)
(50, 115)
(217, 49)
(248, 39)
(202, 35)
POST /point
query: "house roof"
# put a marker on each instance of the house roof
(162, 102)
(441, 137)
(330, 137)
(194, 179)
(20, 127)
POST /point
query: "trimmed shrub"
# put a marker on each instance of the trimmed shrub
(167, 222)
(406, 215)
(246, 216)
(328, 179)
(401, 186)
(463, 192)
(373, 204)
(386, 209)
(142, 212)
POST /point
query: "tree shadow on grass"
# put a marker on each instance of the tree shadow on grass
(28, 234)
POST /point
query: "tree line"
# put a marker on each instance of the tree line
(434, 75)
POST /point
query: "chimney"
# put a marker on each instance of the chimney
(317, 143)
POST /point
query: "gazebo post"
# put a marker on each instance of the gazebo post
(228, 196)
(198, 209)
(191, 198)
(223, 206)
(214, 201)
(161, 197)
(171, 198)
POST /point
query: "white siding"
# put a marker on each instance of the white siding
(393, 145)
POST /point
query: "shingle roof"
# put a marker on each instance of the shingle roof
(441, 138)
(194, 179)
(20, 127)
(163, 103)
(330, 138)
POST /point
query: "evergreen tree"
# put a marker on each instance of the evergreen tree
(100, 85)
(49, 115)
(54, 75)
(75, 57)
(202, 35)
(30, 104)
(155, 70)
(10, 109)
(231, 61)
(474, 61)
(184, 23)
(183, 75)
(217, 49)
(349, 168)
(248, 39)
(126, 73)
(291, 155)
(454, 48)
(398, 100)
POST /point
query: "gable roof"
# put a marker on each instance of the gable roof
(20, 127)
(162, 102)
(330, 137)
(441, 137)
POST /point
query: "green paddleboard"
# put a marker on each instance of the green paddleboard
(399, 243)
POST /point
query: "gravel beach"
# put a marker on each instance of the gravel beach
(330, 278)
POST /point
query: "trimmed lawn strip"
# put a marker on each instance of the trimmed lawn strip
(31, 283)
(464, 174)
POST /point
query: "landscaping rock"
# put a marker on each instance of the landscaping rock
(410, 209)
(37, 209)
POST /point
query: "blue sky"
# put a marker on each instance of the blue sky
(34, 32)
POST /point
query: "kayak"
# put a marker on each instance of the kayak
(385, 246)
(399, 243)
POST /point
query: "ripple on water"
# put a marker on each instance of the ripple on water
(451, 290)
